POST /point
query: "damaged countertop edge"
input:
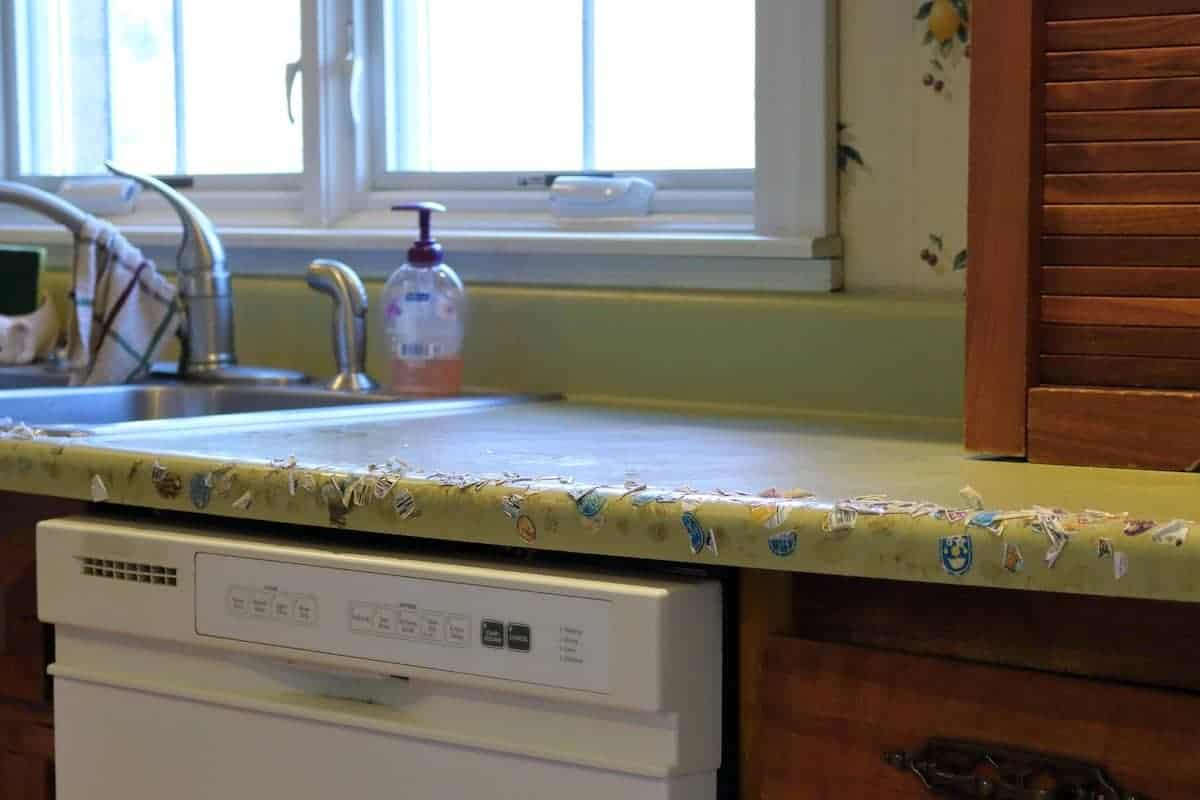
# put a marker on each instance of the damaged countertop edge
(1079, 551)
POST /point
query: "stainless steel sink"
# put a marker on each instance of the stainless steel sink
(31, 375)
(110, 407)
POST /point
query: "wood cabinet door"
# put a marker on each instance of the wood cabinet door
(26, 754)
(830, 714)
(1083, 342)
(23, 639)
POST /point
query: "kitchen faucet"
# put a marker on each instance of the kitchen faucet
(206, 341)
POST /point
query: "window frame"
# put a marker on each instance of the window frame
(14, 128)
(789, 214)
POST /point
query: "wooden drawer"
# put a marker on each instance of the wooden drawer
(830, 713)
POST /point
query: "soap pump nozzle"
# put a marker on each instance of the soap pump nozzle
(425, 251)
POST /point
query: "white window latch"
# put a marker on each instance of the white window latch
(591, 197)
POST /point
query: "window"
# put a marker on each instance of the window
(728, 107)
(565, 86)
(160, 86)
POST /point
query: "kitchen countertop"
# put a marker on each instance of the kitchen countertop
(566, 477)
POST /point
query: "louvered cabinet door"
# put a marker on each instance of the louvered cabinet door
(1097, 315)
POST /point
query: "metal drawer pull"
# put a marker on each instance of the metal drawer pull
(973, 770)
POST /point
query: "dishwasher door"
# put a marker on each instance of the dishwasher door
(206, 664)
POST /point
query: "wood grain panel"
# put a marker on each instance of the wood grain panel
(1109, 126)
(1003, 222)
(1121, 281)
(1143, 428)
(764, 610)
(1148, 62)
(1122, 187)
(1123, 156)
(1088, 9)
(1139, 371)
(1108, 34)
(1120, 341)
(1024, 629)
(1129, 251)
(1138, 220)
(1116, 95)
(834, 710)
(1151, 312)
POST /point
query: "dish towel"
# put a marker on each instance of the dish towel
(122, 309)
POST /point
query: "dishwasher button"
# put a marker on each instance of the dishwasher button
(520, 638)
(261, 602)
(306, 610)
(238, 600)
(385, 621)
(432, 625)
(458, 630)
(282, 608)
(491, 633)
(361, 615)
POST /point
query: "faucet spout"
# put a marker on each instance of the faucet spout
(204, 284)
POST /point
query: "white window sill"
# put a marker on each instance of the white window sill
(667, 251)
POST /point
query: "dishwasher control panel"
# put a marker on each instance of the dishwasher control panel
(537, 636)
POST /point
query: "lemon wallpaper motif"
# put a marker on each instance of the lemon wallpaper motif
(904, 84)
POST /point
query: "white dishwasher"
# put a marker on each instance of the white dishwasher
(207, 663)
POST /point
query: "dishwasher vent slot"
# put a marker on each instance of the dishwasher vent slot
(134, 572)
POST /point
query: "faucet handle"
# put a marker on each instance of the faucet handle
(349, 322)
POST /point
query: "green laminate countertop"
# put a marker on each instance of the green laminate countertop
(568, 477)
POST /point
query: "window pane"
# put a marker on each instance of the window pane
(234, 56)
(478, 85)
(482, 86)
(127, 80)
(141, 89)
(674, 84)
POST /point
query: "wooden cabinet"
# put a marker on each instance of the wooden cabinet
(1083, 342)
(26, 721)
(833, 714)
(26, 753)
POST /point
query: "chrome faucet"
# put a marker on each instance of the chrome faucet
(349, 322)
(206, 341)
(203, 281)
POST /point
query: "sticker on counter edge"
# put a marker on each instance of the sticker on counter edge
(1011, 558)
(99, 490)
(698, 537)
(244, 502)
(956, 554)
(1120, 564)
(1174, 532)
(590, 504)
(1136, 527)
(404, 504)
(840, 519)
(526, 529)
(782, 544)
(200, 489)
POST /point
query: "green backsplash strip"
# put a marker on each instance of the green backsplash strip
(870, 355)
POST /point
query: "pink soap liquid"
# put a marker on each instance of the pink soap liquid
(428, 377)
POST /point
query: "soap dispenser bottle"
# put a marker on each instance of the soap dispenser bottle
(424, 317)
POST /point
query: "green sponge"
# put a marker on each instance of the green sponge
(20, 271)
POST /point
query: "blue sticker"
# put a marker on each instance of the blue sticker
(697, 536)
(957, 553)
(782, 544)
(591, 504)
(200, 488)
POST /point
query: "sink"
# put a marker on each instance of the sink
(111, 407)
(31, 375)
